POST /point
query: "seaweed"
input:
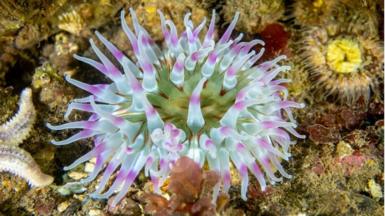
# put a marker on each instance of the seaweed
(191, 192)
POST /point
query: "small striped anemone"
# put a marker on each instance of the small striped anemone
(197, 97)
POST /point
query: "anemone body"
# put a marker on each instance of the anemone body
(197, 97)
(344, 65)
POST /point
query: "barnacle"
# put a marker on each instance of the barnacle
(78, 17)
(344, 65)
(71, 22)
(199, 98)
(12, 16)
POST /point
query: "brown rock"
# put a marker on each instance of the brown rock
(321, 134)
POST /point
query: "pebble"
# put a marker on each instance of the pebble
(95, 212)
(63, 206)
(375, 189)
(344, 149)
(70, 188)
(89, 167)
(77, 175)
(80, 197)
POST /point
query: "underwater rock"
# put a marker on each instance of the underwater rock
(321, 134)
(54, 92)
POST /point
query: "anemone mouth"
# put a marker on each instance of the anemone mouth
(344, 55)
(172, 101)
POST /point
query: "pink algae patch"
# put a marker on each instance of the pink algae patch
(352, 162)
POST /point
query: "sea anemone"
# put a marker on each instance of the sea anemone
(256, 14)
(311, 12)
(344, 65)
(197, 98)
(358, 16)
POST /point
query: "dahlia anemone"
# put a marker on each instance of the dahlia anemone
(201, 99)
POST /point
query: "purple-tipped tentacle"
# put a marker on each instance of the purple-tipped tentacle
(225, 37)
(81, 135)
(195, 119)
(120, 178)
(255, 169)
(129, 179)
(111, 71)
(230, 79)
(100, 161)
(264, 143)
(243, 171)
(209, 38)
(149, 82)
(97, 150)
(223, 157)
(146, 49)
(177, 73)
(131, 36)
(265, 163)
